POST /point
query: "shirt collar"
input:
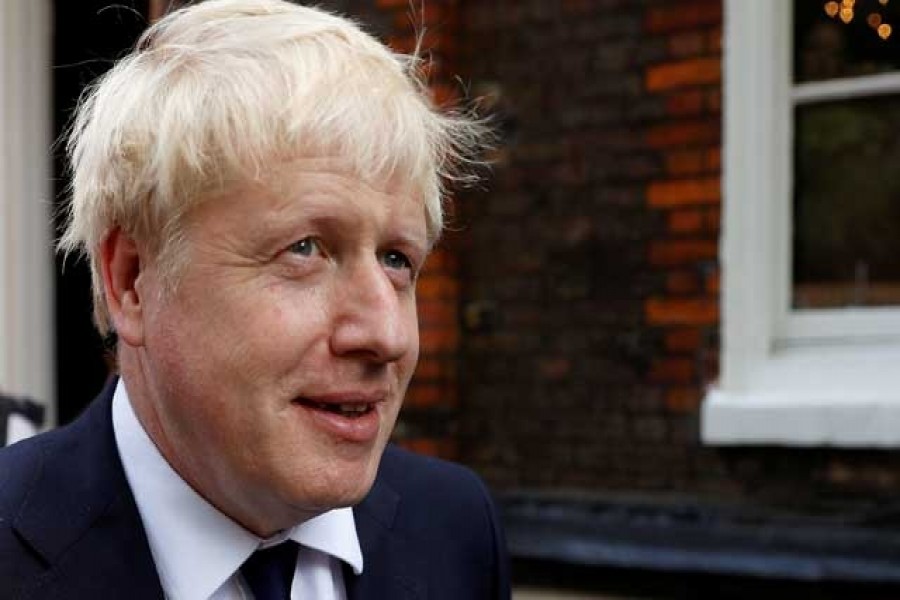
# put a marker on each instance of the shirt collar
(196, 547)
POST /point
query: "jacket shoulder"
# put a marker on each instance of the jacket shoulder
(446, 508)
(20, 466)
(407, 471)
(445, 505)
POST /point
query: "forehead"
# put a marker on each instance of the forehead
(291, 180)
(316, 188)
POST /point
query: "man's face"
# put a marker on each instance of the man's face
(274, 372)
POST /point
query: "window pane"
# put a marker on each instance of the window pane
(847, 204)
(825, 47)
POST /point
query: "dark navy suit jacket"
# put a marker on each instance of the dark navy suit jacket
(69, 526)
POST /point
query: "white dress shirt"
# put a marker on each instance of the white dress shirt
(198, 549)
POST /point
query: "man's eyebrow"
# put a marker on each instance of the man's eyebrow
(420, 243)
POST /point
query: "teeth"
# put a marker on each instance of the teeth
(355, 409)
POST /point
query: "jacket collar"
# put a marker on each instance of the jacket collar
(393, 569)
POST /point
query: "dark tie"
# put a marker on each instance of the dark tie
(269, 572)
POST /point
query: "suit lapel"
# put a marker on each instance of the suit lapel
(392, 569)
(81, 518)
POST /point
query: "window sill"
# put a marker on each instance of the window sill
(843, 397)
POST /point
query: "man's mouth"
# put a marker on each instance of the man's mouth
(351, 416)
(350, 410)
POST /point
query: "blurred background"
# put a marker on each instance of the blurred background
(666, 327)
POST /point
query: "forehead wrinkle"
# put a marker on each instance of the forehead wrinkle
(314, 191)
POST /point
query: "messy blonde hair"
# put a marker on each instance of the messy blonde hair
(215, 91)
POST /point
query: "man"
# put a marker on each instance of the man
(256, 188)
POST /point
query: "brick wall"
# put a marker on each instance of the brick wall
(684, 309)
(570, 319)
(688, 195)
(562, 383)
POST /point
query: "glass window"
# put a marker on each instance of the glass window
(835, 39)
(847, 203)
(846, 210)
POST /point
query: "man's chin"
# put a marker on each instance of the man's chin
(306, 511)
(354, 495)
(340, 491)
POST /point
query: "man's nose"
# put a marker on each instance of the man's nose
(372, 318)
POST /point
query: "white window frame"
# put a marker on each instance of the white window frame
(26, 201)
(806, 378)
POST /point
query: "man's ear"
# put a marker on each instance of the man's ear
(120, 263)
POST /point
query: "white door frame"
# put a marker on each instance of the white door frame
(27, 329)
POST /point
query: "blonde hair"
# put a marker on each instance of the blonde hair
(215, 91)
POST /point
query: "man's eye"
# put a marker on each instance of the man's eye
(306, 247)
(396, 260)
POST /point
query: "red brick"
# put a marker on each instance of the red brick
(683, 339)
(673, 16)
(713, 282)
(683, 399)
(426, 446)
(713, 218)
(691, 43)
(686, 103)
(686, 221)
(682, 311)
(436, 313)
(441, 447)
(672, 370)
(683, 73)
(437, 287)
(554, 368)
(684, 133)
(678, 252)
(439, 340)
(710, 366)
(392, 3)
(429, 369)
(685, 192)
(405, 43)
(686, 162)
(441, 260)
(423, 395)
(408, 42)
(714, 101)
(682, 282)
(715, 39)
(714, 159)
(425, 15)
(444, 94)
